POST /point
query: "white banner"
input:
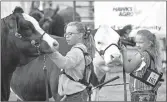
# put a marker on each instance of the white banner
(142, 15)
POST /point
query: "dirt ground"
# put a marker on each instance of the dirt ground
(116, 93)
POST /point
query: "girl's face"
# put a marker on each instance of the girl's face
(72, 35)
(142, 43)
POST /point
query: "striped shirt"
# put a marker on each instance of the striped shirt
(137, 85)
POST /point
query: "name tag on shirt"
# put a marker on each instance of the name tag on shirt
(152, 79)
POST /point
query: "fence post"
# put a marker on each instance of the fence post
(74, 5)
(124, 79)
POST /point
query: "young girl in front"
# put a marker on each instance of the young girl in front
(147, 46)
(73, 63)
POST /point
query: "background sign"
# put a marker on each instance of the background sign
(142, 15)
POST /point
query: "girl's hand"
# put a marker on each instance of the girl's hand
(55, 47)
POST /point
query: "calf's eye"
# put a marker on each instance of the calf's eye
(98, 42)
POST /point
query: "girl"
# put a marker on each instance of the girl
(147, 46)
(73, 63)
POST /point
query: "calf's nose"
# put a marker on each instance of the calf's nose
(117, 59)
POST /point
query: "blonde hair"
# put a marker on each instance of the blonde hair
(87, 38)
(154, 48)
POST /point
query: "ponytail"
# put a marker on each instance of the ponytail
(89, 42)
(156, 47)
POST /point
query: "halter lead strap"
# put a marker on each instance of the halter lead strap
(101, 52)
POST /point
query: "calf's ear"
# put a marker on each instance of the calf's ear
(18, 10)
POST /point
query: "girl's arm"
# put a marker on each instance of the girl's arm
(72, 58)
(131, 63)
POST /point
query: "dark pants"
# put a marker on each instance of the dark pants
(78, 97)
(143, 96)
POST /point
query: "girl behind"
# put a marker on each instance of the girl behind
(147, 46)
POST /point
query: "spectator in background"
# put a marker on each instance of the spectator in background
(35, 12)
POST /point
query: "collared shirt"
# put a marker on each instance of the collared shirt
(73, 64)
(137, 85)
